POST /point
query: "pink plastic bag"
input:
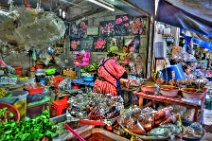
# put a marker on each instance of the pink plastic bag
(2, 63)
(82, 59)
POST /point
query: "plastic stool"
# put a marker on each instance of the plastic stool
(59, 107)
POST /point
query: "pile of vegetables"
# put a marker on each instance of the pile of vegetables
(5, 115)
(28, 130)
(3, 92)
(90, 68)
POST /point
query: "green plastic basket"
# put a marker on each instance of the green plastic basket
(50, 71)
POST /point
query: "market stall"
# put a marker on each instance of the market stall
(71, 70)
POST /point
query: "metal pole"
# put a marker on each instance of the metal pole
(177, 36)
(150, 48)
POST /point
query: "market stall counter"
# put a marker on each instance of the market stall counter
(170, 100)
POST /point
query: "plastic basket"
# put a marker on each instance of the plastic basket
(8, 80)
(36, 97)
(12, 109)
(36, 109)
(38, 90)
(19, 100)
(50, 71)
(71, 74)
(56, 80)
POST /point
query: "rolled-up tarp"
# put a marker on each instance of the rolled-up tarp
(204, 44)
(194, 16)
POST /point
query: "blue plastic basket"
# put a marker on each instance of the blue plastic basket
(17, 96)
(88, 78)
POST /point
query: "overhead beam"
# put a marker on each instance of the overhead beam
(72, 3)
(85, 14)
(135, 7)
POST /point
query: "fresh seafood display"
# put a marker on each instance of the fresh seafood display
(148, 123)
(94, 106)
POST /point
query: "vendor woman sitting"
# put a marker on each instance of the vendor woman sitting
(109, 74)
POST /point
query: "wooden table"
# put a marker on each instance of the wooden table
(168, 100)
(127, 95)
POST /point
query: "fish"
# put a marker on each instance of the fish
(157, 122)
(137, 128)
(162, 113)
(171, 119)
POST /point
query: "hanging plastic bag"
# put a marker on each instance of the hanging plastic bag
(82, 59)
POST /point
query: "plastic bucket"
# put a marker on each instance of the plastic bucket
(18, 70)
(19, 100)
(40, 78)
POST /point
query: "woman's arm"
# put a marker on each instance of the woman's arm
(119, 70)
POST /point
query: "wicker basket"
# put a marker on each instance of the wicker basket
(71, 74)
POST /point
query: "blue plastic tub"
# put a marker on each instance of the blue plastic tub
(177, 69)
(88, 78)
(17, 95)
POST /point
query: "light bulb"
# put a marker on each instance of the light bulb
(64, 14)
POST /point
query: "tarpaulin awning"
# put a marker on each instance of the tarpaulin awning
(201, 40)
(194, 15)
(204, 44)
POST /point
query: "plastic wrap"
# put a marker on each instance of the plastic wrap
(65, 85)
(94, 107)
(30, 29)
(146, 123)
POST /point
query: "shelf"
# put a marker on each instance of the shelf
(177, 100)
(190, 61)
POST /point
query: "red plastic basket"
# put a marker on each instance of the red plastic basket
(38, 90)
(10, 108)
(56, 80)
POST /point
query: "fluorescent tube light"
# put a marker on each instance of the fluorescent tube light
(102, 5)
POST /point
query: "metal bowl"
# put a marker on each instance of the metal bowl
(169, 91)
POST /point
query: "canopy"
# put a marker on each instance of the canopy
(202, 41)
(194, 15)
(204, 44)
